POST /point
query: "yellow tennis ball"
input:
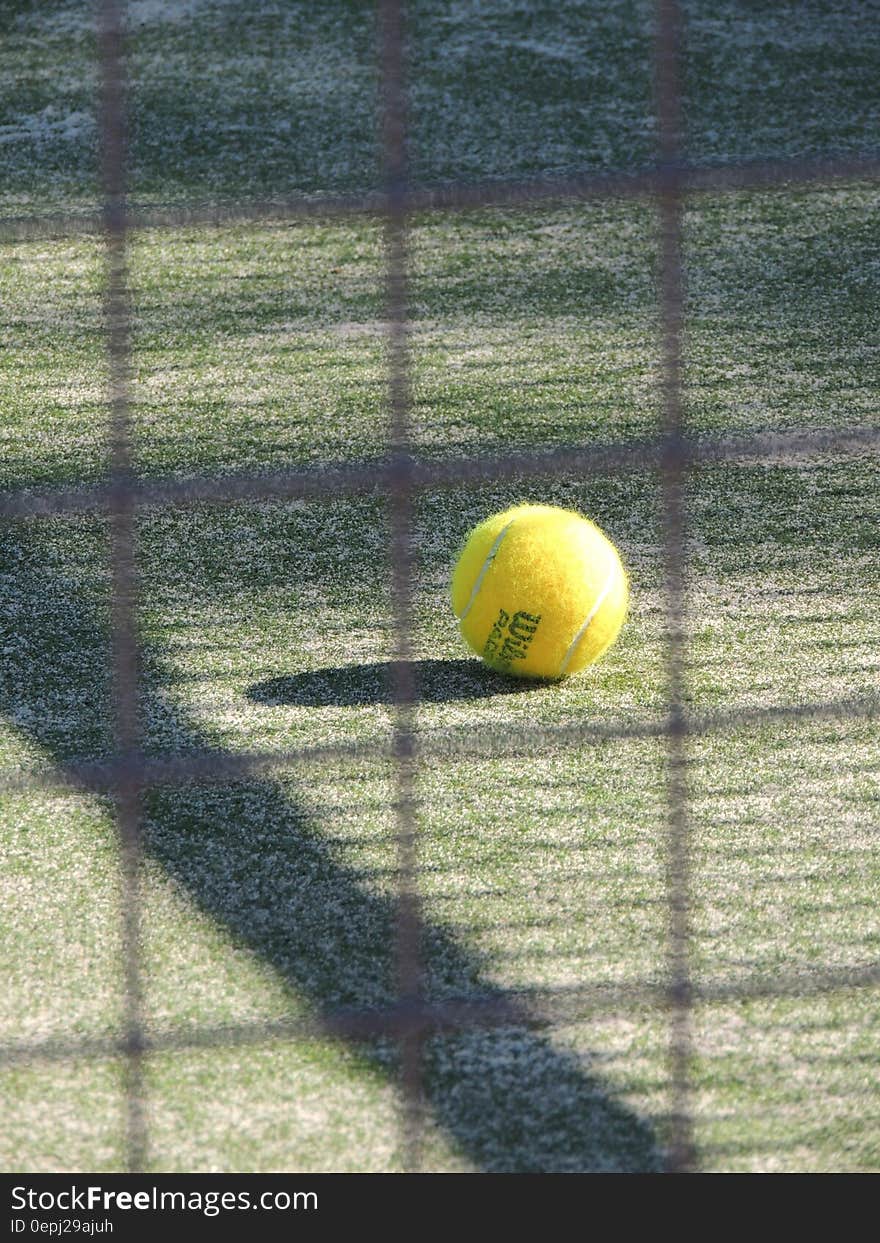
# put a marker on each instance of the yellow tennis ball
(539, 591)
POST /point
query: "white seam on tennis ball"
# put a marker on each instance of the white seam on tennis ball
(609, 583)
(484, 569)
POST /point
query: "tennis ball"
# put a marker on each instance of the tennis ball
(539, 592)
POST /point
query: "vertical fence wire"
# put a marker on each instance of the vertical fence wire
(680, 1153)
(407, 949)
(402, 482)
(128, 792)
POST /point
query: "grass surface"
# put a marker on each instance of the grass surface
(279, 97)
(269, 626)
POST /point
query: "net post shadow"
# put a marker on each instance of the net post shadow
(248, 855)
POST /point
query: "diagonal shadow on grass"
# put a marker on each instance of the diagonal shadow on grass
(248, 855)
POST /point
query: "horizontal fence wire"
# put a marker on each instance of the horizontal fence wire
(766, 174)
(205, 768)
(523, 1008)
(330, 483)
(466, 742)
(131, 772)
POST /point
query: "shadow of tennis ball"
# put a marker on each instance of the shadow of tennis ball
(437, 681)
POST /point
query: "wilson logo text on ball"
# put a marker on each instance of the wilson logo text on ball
(509, 638)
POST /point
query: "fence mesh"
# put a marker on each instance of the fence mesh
(401, 477)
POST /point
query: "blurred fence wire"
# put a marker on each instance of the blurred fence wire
(401, 477)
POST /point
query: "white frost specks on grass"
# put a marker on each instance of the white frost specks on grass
(267, 626)
(74, 18)
(311, 1108)
(50, 123)
(61, 924)
(50, 1115)
(147, 12)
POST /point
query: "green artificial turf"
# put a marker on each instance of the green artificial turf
(269, 626)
